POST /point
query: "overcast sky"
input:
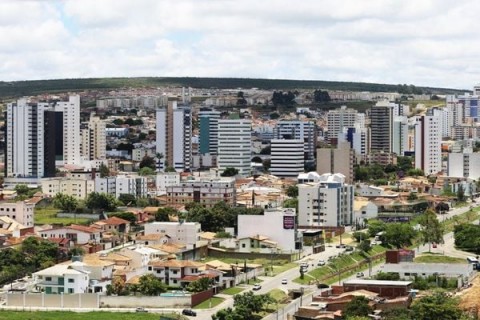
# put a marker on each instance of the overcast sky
(422, 42)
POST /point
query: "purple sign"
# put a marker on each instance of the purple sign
(288, 222)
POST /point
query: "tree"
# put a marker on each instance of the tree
(291, 203)
(364, 246)
(101, 201)
(436, 306)
(147, 162)
(127, 199)
(442, 207)
(412, 196)
(467, 237)
(65, 202)
(229, 172)
(117, 287)
(397, 314)
(199, 285)
(432, 229)
(223, 235)
(274, 115)
(375, 227)
(22, 189)
(321, 96)
(257, 159)
(104, 171)
(150, 285)
(251, 303)
(359, 236)
(163, 214)
(146, 171)
(415, 172)
(358, 306)
(241, 101)
(399, 234)
(292, 191)
(76, 251)
(461, 194)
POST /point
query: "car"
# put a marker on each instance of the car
(321, 263)
(140, 309)
(189, 312)
(360, 275)
(257, 287)
(348, 248)
(284, 281)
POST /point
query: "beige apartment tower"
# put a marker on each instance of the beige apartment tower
(339, 160)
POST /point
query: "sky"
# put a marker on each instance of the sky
(420, 42)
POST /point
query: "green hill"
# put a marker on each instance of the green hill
(25, 88)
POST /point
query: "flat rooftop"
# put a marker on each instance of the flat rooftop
(377, 282)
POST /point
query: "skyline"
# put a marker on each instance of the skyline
(427, 43)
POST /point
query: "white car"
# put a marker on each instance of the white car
(284, 281)
(321, 263)
(257, 287)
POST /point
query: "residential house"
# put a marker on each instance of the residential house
(63, 278)
(175, 272)
(77, 233)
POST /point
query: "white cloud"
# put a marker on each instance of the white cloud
(428, 42)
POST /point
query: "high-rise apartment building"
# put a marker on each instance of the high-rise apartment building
(94, 139)
(338, 160)
(71, 129)
(400, 135)
(342, 118)
(25, 140)
(428, 153)
(174, 136)
(326, 203)
(234, 145)
(287, 158)
(381, 127)
(299, 130)
(208, 120)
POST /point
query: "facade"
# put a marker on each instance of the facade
(287, 157)
(117, 185)
(174, 136)
(76, 233)
(175, 273)
(326, 203)
(340, 160)
(340, 118)
(71, 129)
(360, 142)
(234, 145)
(63, 278)
(206, 192)
(179, 232)
(381, 127)
(276, 224)
(428, 153)
(79, 188)
(298, 130)
(20, 211)
(464, 165)
(208, 120)
(400, 135)
(166, 179)
(94, 140)
(24, 137)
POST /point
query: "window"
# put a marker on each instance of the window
(71, 280)
(48, 278)
(70, 290)
(174, 271)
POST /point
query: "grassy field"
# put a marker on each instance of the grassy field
(278, 294)
(61, 315)
(233, 291)
(465, 217)
(438, 258)
(49, 216)
(210, 303)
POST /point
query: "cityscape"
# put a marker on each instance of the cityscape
(151, 171)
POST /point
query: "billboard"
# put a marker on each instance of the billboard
(288, 222)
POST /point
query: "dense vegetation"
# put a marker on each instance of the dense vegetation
(22, 88)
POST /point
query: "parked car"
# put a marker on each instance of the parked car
(284, 281)
(189, 312)
(257, 287)
(140, 309)
(348, 248)
(321, 263)
(360, 275)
